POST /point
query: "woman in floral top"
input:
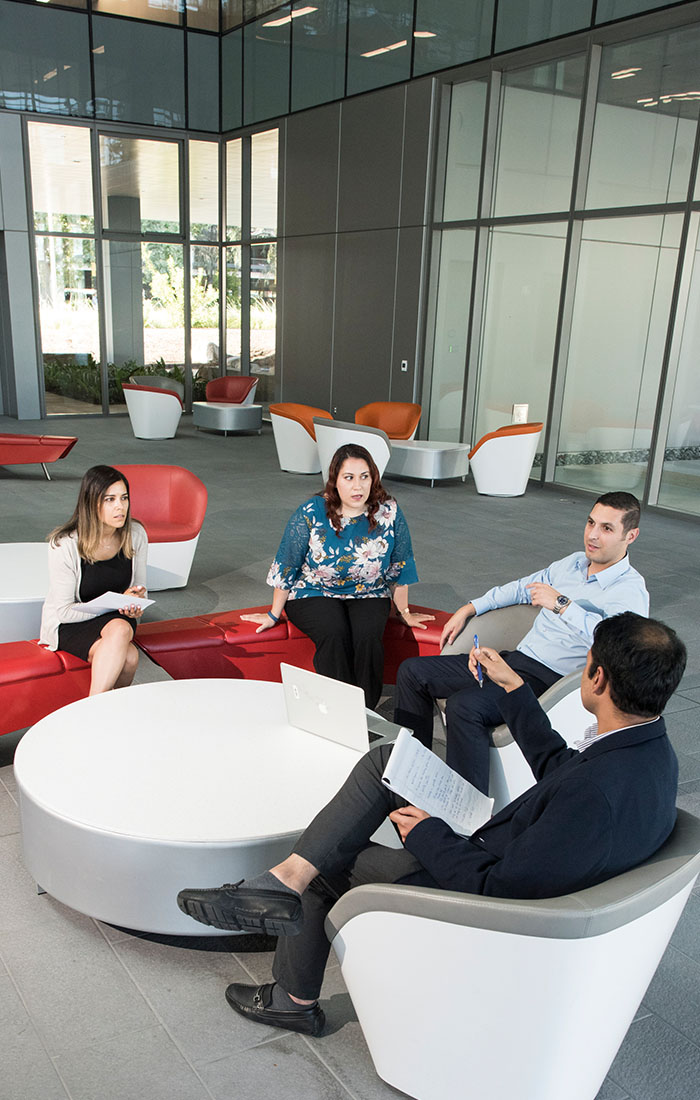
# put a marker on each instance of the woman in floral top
(344, 555)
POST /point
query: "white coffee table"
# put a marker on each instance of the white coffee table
(24, 582)
(128, 797)
(428, 460)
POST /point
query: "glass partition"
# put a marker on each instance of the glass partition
(234, 189)
(54, 76)
(264, 170)
(680, 478)
(233, 309)
(204, 190)
(467, 115)
(266, 68)
(160, 11)
(379, 44)
(450, 32)
(456, 268)
(645, 121)
(61, 178)
(140, 185)
(523, 287)
(139, 77)
(204, 309)
(540, 110)
(318, 52)
(624, 283)
(263, 319)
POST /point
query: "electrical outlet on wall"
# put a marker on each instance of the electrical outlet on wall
(404, 365)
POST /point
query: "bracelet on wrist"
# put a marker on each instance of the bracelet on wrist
(275, 618)
(406, 611)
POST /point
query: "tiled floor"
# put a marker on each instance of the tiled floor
(92, 1012)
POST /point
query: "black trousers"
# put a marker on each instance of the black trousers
(348, 635)
(472, 712)
(337, 843)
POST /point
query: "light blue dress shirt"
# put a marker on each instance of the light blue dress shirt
(561, 642)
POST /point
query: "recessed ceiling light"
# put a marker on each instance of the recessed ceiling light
(385, 49)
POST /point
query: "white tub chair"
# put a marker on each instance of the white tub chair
(295, 436)
(331, 434)
(501, 461)
(463, 995)
(154, 412)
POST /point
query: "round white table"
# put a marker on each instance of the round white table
(24, 582)
(127, 797)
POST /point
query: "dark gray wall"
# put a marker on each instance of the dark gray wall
(352, 248)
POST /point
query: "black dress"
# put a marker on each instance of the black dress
(96, 578)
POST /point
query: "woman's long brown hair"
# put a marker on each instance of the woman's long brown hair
(86, 522)
(377, 493)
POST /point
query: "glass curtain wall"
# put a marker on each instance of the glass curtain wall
(129, 280)
(566, 269)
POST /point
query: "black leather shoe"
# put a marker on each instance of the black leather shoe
(235, 908)
(254, 1001)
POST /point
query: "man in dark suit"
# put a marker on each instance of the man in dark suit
(594, 812)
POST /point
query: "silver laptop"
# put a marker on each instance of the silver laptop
(331, 709)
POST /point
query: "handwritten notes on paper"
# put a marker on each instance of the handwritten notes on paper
(420, 777)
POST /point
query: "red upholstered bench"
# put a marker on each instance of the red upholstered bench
(35, 681)
(222, 646)
(19, 450)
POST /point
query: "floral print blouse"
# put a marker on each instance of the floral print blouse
(313, 561)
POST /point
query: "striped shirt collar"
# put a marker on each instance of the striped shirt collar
(591, 734)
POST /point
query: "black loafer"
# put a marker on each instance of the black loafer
(237, 909)
(254, 1001)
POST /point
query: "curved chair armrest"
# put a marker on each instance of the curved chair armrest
(590, 912)
(501, 628)
(501, 735)
(346, 425)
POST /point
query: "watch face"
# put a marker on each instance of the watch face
(562, 601)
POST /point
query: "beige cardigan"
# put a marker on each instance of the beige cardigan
(64, 583)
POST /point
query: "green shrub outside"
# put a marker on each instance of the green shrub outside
(81, 380)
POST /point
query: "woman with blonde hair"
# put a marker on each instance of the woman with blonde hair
(100, 549)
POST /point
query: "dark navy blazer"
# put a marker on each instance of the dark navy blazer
(591, 815)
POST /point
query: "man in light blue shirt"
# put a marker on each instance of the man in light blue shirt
(574, 594)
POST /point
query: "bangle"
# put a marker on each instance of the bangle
(275, 618)
(406, 611)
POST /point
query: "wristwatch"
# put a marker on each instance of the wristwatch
(560, 604)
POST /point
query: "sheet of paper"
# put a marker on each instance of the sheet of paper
(419, 776)
(111, 601)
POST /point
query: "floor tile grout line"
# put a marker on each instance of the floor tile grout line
(35, 1028)
(152, 1008)
(314, 1050)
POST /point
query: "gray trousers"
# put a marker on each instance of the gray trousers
(337, 843)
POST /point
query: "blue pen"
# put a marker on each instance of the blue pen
(479, 673)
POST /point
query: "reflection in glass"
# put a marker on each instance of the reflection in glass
(68, 318)
(467, 112)
(232, 80)
(379, 44)
(680, 480)
(204, 190)
(61, 176)
(203, 82)
(263, 317)
(53, 77)
(450, 32)
(644, 132)
(619, 9)
(234, 196)
(621, 312)
(231, 14)
(264, 172)
(139, 77)
(233, 308)
(520, 22)
(524, 273)
(203, 14)
(163, 303)
(451, 326)
(160, 11)
(140, 185)
(318, 52)
(540, 110)
(266, 68)
(204, 306)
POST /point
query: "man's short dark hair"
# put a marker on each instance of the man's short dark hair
(643, 660)
(625, 503)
